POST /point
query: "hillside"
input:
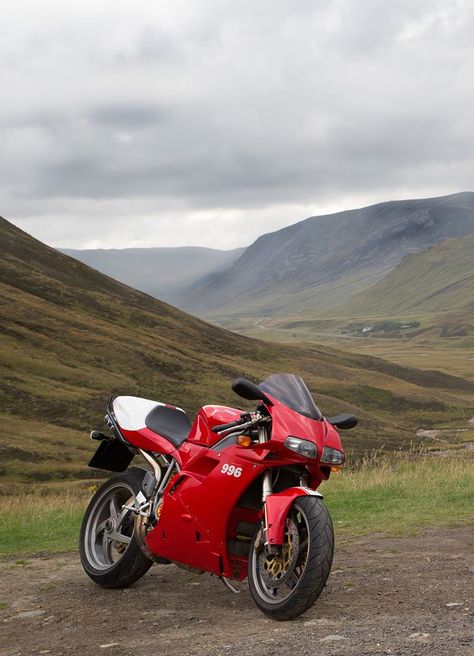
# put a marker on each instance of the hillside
(323, 261)
(434, 288)
(165, 273)
(70, 336)
(439, 281)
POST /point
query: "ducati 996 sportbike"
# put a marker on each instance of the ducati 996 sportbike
(234, 494)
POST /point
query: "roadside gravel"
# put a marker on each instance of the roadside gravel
(402, 596)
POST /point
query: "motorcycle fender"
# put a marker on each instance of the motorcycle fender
(277, 507)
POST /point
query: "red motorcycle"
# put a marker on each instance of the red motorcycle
(233, 494)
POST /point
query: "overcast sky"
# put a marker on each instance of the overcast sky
(209, 122)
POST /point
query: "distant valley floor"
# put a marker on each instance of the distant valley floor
(452, 355)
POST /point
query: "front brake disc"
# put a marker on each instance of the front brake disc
(275, 570)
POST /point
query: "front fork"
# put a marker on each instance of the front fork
(267, 490)
(276, 507)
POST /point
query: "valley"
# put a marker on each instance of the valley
(71, 336)
(421, 314)
(165, 273)
(398, 351)
(393, 280)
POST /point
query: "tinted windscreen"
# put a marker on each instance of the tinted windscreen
(292, 391)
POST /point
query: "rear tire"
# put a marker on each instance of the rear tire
(110, 551)
(284, 594)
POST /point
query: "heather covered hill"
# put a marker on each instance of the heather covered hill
(70, 336)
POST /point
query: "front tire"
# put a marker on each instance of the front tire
(285, 586)
(110, 550)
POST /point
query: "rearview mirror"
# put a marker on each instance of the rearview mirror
(344, 422)
(250, 391)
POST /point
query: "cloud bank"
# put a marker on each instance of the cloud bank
(208, 123)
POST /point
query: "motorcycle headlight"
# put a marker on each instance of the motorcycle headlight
(332, 456)
(303, 447)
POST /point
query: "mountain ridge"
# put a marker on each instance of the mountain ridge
(327, 259)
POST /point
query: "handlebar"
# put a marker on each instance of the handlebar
(243, 420)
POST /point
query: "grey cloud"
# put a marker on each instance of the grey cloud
(239, 110)
(127, 116)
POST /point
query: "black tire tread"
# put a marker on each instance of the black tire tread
(317, 567)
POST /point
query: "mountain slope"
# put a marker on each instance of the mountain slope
(162, 272)
(325, 260)
(439, 281)
(70, 336)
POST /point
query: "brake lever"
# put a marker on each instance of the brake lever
(242, 427)
(235, 429)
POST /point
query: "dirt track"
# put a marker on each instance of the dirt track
(398, 596)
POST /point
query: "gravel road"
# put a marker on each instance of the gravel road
(406, 596)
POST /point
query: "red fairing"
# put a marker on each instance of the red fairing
(287, 422)
(207, 418)
(198, 506)
(331, 437)
(202, 503)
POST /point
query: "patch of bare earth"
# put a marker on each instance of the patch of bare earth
(405, 596)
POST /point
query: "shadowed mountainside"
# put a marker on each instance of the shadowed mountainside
(70, 336)
(323, 261)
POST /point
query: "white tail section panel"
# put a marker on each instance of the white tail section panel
(131, 411)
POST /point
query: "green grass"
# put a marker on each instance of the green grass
(41, 523)
(402, 497)
(382, 495)
(427, 348)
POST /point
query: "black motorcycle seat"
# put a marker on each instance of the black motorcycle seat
(171, 423)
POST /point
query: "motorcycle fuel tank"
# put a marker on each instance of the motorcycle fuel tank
(207, 418)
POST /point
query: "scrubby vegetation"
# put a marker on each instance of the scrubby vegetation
(403, 493)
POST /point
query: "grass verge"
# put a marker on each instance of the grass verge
(402, 496)
(43, 522)
(378, 495)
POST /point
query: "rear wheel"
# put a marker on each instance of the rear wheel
(110, 549)
(285, 585)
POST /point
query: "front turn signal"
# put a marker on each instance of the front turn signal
(244, 440)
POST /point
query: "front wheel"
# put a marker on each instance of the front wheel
(110, 549)
(285, 585)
